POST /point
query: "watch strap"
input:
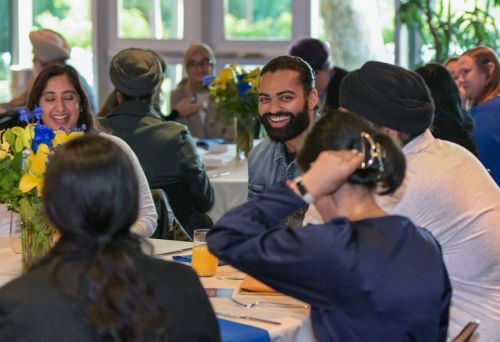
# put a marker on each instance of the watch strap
(304, 194)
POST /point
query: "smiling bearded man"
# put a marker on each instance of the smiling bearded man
(287, 107)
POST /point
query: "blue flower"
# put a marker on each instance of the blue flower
(243, 89)
(38, 113)
(207, 80)
(43, 135)
(24, 115)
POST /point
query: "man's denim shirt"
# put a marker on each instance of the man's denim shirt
(267, 167)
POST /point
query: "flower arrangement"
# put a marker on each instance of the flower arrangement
(24, 152)
(235, 94)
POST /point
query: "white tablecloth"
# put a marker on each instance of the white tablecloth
(295, 323)
(229, 179)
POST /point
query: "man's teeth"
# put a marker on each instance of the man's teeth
(279, 118)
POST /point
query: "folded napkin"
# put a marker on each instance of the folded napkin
(237, 332)
(252, 286)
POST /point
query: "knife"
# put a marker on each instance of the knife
(250, 318)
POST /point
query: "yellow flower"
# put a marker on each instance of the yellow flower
(24, 136)
(62, 137)
(226, 76)
(5, 150)
(36, 165)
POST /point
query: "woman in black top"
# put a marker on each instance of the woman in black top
(96, 284)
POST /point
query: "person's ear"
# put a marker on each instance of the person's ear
(312, 99)
(119, 97)
(491, 68)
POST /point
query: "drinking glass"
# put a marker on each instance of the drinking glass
(203, 262)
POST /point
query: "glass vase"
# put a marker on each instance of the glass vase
(245, 130)
(36, 241)
(15, 233)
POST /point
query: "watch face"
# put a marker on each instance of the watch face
(301, 187)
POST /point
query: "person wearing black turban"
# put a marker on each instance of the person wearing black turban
(446, 189)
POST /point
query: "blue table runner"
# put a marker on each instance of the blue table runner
(237, 332)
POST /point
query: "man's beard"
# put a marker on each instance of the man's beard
(297, 124)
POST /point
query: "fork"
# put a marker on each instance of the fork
(264, 303)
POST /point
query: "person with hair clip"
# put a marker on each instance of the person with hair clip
(64, 103)
(479, 75)
(368, 275)
(96, 284)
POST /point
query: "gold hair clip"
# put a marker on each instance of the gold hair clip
(374, 152)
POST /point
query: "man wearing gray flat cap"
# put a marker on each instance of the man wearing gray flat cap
(446, 190)
(166, 150)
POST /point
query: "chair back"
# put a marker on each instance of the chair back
(168, 227)
(467, 332)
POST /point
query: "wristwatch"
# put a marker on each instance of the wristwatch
(304, 194)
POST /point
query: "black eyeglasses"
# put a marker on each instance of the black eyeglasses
(203, 63)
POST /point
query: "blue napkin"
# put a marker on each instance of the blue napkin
(205, 143)
(237, 332)
(187, 258)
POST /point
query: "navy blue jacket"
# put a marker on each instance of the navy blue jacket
(378, 279)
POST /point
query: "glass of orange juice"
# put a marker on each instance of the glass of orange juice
(203, 262)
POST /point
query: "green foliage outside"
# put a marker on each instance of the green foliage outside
(264, 29)
(135, 22)
(261, 9)
(449, 27)
(70, 18)
(258, 19)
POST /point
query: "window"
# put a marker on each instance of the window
(257, 19)
(5, 49)
(71, 18)
(154, 19)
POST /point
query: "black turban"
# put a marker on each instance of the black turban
(135, 72)
(388, 96)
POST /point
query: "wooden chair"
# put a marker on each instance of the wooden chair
(168, 227)
(467, 332)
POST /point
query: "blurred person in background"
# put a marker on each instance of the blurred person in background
(479, 76)
(199, 62)
(182, 108)
(451, 64)
(166, 149)
(328, 77)
(451, 122)
(49, 47)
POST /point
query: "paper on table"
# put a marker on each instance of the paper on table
(212, 163)
(252, 286)
(169, 246)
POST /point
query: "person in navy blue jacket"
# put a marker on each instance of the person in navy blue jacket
(368, 275)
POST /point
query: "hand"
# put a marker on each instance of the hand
(329, 171)
(188, 106)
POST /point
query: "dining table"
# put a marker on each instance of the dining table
(228, 176)
(237, 323)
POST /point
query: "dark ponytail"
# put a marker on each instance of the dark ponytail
(337, 131)
(91, 195)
